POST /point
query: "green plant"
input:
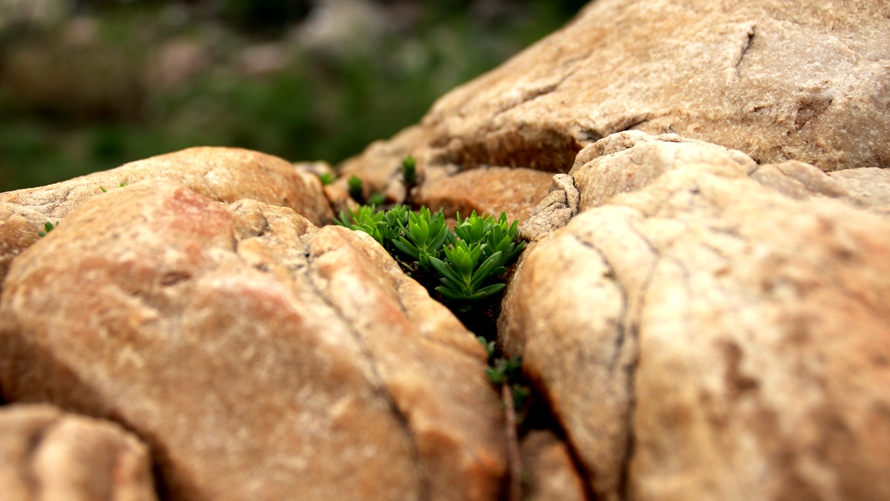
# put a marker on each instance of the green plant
(326, 178)
(461, 274)
(468, 262)
(355, 188)
(422, 239)
(409, 171)
(48, 227)
(377, 199)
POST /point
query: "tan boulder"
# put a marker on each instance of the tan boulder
(222, 174)
(549, 471)
(486, 191)
(774, 79)
(702, 336)
(258, 356)
(48, 454)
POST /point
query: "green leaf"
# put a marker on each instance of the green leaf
(484, 270)
(445, 270)
(406, 247)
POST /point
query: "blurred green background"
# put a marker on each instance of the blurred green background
(88, 85)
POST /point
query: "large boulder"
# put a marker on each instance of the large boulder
(702, 336)
(222, 174)
(774, 79)
(259, 356)
(48, 454)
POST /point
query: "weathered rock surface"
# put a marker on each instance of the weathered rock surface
(222, 174)
(551, 473)
(774, 79)
(486, 191)
(702, 336)
(47, 454)
(258, 356)
(554, 211)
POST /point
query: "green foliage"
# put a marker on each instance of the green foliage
(467, 261)
(326, 178)
(47, 227)
(409, 171)
(377, 199)
(424, 236)
(504, 371)
(355, 188)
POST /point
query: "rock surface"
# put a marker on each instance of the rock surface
(486, 191)
(222, 174)
(700, 336)
(257, 355)
(772, 78)
(47, 454)
(551, 474)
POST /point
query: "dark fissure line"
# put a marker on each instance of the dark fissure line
(380, 384)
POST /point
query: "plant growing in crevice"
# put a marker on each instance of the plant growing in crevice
(48, 227)
(409, 171)
(465, 268)
(354, 188)
(462, 266)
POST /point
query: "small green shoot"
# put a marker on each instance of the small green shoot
(409, 171)
(326, 178)
(355, 188)
(103, 189)
(504, 371)
(48, 227)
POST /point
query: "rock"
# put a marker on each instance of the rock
(48, 454)
(554, 211)
(223, 174)
(486, 191)
(770, 78)
(551, 473)
(701, 336)
(868, 186)
(257, 355)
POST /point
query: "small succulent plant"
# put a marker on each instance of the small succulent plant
(354, 186)
(468, 262)
(409, 171)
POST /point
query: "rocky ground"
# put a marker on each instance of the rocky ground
(703, 309)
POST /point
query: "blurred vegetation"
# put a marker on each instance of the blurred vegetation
(104, 82)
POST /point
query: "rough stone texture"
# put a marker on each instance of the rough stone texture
(257, 355)
(775, 79)
(700, 336)
(554, 211)
(222, 174)
(551, 473)
(46, 454)
(18, 230)
(486, 191)
(868, 186)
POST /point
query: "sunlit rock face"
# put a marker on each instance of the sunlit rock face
(257, 355)
(702, 308)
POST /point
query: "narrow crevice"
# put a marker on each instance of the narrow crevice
(634, 364)
(743, 51)
(379, 383)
